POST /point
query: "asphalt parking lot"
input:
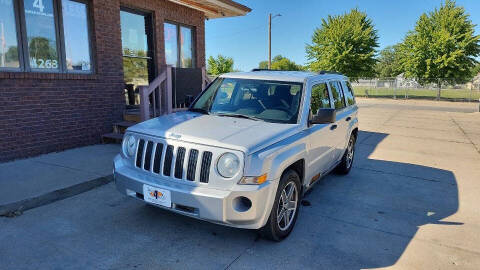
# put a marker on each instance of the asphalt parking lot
(410, 202)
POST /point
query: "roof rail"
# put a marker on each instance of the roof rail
(263, 69)
(329, 72)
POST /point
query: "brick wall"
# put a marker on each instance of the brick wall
(41, 113)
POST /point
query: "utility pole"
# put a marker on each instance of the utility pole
(3, 44)
(270, 41)
(270, 17)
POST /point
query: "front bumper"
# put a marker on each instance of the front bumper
(215, 205)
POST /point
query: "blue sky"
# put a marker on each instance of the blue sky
(245, 38)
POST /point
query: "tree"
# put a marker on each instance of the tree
(442, 47)
(219, 65)
(388, 63)
(344, 43)
(41, 48)
(281, 63)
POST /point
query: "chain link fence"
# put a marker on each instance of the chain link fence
(402, 88)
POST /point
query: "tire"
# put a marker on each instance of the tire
(347, 160)
(278, 230)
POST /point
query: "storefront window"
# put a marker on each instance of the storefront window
(178, 52)
(75, 29)
(186, 47)
(41, 37)
(8, 36)
(171, 52)
(45, 35)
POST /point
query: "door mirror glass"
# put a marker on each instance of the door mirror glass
(324, 116)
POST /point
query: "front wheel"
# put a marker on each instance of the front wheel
(285, 208)
(347, 159)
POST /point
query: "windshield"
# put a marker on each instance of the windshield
(270, 101)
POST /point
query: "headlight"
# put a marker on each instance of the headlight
(228, 165)
(129, 145)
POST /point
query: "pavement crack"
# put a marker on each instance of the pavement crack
(465, 134)
(66, 167)
(409, 237)
(243, 252)
(399, 174)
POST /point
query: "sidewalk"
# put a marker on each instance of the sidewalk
(36, 181)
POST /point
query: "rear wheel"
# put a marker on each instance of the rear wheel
(347, 159)
(285, 208)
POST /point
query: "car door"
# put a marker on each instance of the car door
(341, 123)
(351, 110)
(321, 136)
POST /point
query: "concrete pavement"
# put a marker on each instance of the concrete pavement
(410, 202)
(35, 181)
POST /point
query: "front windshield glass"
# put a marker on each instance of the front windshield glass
(271, 101)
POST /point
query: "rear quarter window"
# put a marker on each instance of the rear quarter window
(348, 91)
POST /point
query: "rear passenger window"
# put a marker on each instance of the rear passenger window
(320, 98)
(338, 99)
(348, 91)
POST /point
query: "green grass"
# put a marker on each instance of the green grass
(446, 94)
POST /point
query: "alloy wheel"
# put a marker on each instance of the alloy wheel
(287, 206)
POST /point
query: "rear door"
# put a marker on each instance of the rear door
(341, 123)
(321, 138)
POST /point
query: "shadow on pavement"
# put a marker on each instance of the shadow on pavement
(362, 220)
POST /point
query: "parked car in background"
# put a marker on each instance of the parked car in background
(246, 151)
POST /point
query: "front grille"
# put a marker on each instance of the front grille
(159, 158)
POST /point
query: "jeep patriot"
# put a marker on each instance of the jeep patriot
(246, 150)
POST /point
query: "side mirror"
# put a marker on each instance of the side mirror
(324, 116)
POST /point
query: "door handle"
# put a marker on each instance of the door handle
(332, 127)
(348, 119)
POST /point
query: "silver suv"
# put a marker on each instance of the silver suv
(246, 150)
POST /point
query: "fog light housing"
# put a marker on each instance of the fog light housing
(241, 204)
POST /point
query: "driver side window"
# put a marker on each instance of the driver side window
(320, 98)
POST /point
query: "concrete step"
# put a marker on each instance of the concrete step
(132, 116)
(112, 137)
(120, 127)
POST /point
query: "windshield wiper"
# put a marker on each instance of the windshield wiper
(199, 110)
(239, 116)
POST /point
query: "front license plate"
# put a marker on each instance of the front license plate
(156, 195)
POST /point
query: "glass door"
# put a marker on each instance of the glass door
(138, 66)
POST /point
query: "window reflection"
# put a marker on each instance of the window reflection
(178, 57)
(320, 98)
(8, 36)
(186, 47)
(337, 94)
(75, 27)
(171, 42)
(40, 24)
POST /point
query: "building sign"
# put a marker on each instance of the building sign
(37, 7)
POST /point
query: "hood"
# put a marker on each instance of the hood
(241, 134)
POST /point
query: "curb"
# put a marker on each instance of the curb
(16, 208)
